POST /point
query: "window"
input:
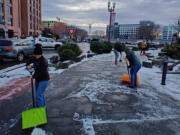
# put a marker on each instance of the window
(9, 10)
(10, 21)
(1, 7)
(8, 1)
(43, 40)
(1, 20)
(50, 40)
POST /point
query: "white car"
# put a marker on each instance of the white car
(47, 42)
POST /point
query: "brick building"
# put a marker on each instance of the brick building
(31, 17)
(10, 18)
(20, 18)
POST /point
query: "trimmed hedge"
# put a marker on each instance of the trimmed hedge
(172, 51)
(107, 47)
(70, 49)
(67, 54)
(101, 47)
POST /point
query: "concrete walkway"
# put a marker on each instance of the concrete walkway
(90, 99)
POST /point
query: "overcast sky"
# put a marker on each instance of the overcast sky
(84, 12)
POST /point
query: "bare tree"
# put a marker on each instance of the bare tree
(80, 34)
(147, 31)
(60, 29)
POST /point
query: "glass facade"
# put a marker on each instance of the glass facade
(169, 31)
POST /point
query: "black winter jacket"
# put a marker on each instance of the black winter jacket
(41, 68)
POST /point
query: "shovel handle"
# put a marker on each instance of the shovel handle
(33, 98)
(32, 87)
(128, 69)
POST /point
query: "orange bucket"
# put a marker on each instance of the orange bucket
(127, 79)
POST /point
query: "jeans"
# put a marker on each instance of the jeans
(40, 89)
(116, 53)
(134, 70)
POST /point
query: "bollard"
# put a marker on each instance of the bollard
(165, 67)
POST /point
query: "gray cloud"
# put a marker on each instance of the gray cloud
(83, 12)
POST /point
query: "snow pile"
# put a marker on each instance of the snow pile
(177, 68)
(88, 127)
(38, 131)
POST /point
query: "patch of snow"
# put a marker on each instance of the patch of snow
(14, 74)
(11, 68)
(95, 88)
(38, 131)
(177, 68)
(53, 70)
(152, 77)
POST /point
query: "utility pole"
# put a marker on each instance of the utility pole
(111, 8)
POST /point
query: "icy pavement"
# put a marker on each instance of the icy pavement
(92, 98)
(89, 99)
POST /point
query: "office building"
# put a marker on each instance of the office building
(169, 31)
(124, 31)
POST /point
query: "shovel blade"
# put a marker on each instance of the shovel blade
(34, 117)
(127, 79)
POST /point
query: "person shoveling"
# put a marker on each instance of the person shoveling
(37, 116)
(134, 66)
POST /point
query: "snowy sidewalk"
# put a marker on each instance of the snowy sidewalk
(90, 99)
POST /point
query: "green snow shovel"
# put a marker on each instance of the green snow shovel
(36, 116)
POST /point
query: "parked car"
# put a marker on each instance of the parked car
(64, 41)
(16, 49)
(48, 43)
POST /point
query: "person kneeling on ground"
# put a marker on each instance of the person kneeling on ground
(40, 75)
(134, 66)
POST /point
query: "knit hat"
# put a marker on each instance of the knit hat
(38, 51)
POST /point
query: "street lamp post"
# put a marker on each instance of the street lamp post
(111, 8)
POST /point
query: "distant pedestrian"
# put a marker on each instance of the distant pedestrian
(40, 75)
(143, 48)
(134, 66)
(116, 53)
(118, 50)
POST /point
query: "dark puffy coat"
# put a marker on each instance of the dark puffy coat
(41, 68)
